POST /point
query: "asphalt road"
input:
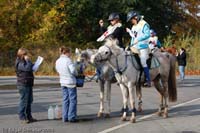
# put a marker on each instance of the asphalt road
(184, 115)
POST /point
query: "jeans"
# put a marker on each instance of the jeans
(69, 109)
(182, 72)
(26, 99)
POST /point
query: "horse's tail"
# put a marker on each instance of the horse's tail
(172, 89)
(138, 85)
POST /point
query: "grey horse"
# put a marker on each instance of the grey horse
(127, 75)
(106, 79)
(106, 75)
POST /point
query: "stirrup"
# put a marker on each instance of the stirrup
(146, 84)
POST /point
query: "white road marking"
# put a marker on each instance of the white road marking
(146, 117)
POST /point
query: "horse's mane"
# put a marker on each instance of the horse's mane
(172, 50)
(112, 43)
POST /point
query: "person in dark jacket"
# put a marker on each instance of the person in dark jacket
(25, 80)
(181, 58)
(115, 29)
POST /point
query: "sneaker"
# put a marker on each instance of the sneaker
(73, 121)
(32, 120)
(25, 121)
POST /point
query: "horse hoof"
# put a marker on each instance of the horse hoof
(123, 118)
(140, 109)
(107, 115)
(132, 120)
(165, 115)
(159, 113)
(99, 114)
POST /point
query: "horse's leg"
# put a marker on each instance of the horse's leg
(132, 102)
(160, 89)
(125, 102)
(139, 95)
(108, 98)
(101, 109)
(165, 114)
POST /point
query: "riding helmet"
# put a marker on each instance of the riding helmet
(113, 16)
(131, 14)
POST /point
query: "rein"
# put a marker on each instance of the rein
(121, 70)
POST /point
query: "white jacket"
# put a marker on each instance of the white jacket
(67, 71)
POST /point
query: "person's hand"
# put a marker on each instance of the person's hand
(26, 57)
(176, 52)
(101, 23)
(128, 30)
(135, 41)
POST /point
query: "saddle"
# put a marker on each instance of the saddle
(152, 62)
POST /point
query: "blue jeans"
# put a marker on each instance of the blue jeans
(26, 99)
(69, 109)
(182, 72)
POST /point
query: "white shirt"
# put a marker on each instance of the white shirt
(67, 71)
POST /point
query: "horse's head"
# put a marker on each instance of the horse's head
(84, 56)
(107, 51)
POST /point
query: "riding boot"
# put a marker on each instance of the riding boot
(147, 75)
(98, 73)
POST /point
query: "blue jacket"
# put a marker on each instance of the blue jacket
(141, 32)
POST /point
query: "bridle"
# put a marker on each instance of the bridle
(105, 59)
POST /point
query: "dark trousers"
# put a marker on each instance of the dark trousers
(25, 101)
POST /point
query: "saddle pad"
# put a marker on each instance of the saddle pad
(154, 62)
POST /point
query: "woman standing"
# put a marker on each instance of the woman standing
(181, 58)
(67, 72)
(25, 80)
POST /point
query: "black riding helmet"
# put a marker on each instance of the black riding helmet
(113, 16)
(131, 15)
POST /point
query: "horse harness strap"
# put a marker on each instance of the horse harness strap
(121, 70)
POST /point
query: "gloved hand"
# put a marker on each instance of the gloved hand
(101, 38)
(128, 30)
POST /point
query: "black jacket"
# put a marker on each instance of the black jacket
(24, 72)
(118, 33)
(181, 58)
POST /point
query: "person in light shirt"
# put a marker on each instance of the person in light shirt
(67, 72)
(153, 40)
(140, 33)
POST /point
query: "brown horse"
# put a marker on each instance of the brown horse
(172, 50)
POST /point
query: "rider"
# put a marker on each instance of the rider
(153, 40)
(115, 29)
(140, 34)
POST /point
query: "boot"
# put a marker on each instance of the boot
(148, 80)
(98, 73)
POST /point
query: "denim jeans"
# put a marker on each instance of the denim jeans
(69, 109)
(25, 101)
(182, 72)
